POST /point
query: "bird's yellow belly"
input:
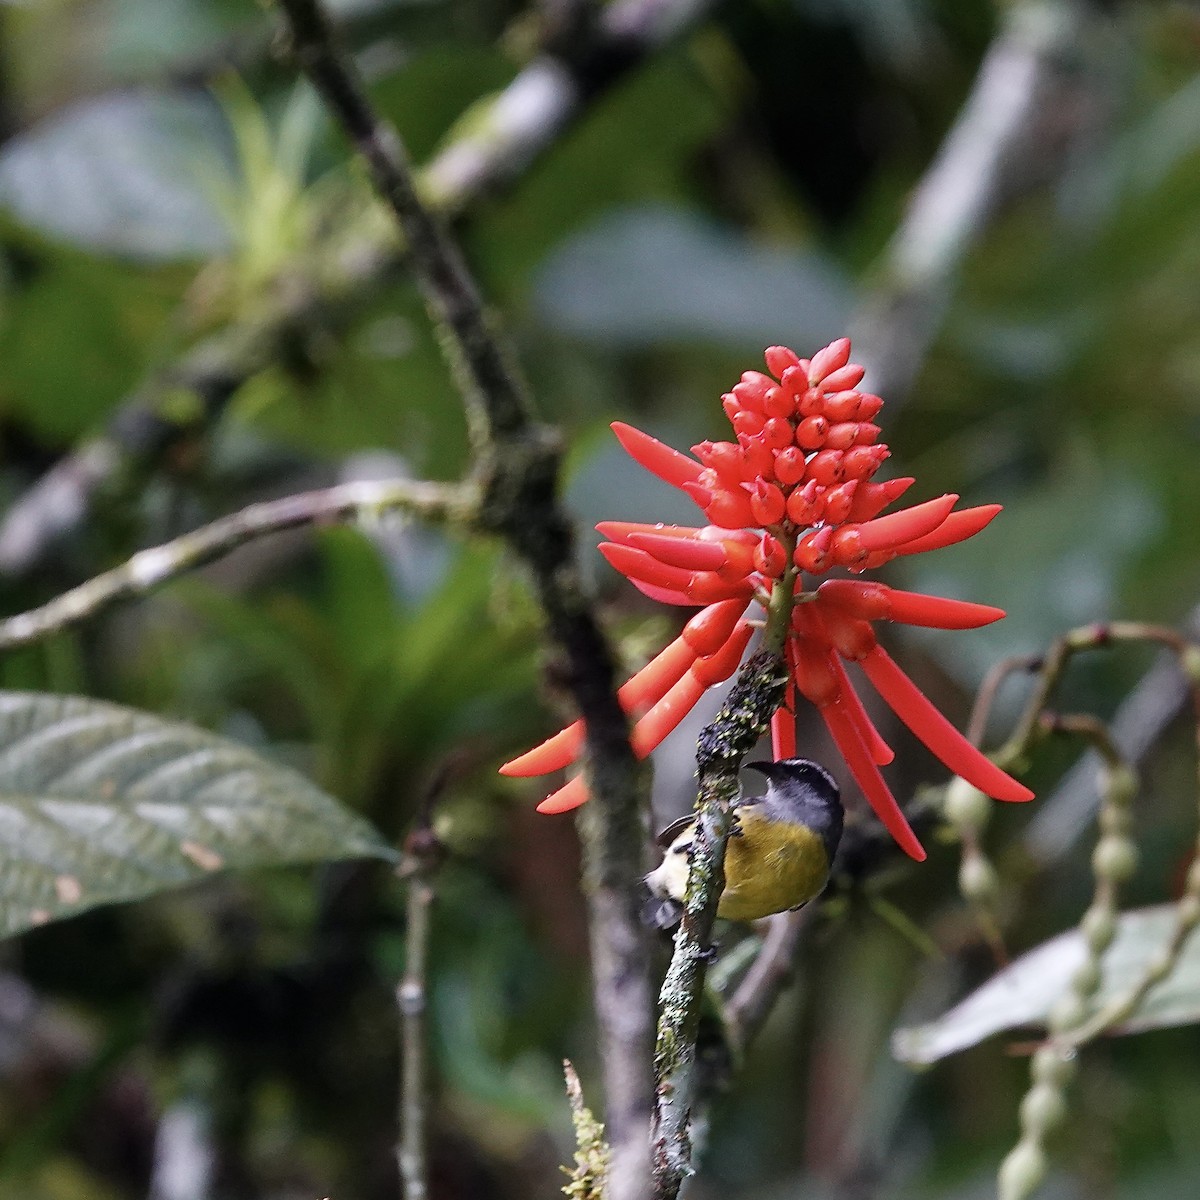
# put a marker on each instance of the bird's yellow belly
(769, 868)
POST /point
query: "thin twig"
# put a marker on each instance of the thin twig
(516, 464)
(152, 567)
(751, 1003)
(985, 159)
(412, 1152)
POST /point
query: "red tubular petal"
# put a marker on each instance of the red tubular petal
(919, 714)
(570, 795)
(957, 527)
(730, 509)
(813, 671)
(620, 531)
(551, 755)
(897, 529)
(860, 598)
(879, 750)
(709, 630)
(666, 714)
(872, 498)
(938, 612)
(660, 674)
(637, 564)
(852, 638)
(662, 595)
(716, 668)
(640, 691)
(701, 495)
(783, 733)
(683, 552)
(846, 736)
(659, 459)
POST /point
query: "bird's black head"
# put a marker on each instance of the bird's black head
(803, 791)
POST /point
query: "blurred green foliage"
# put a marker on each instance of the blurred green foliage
(162, 177)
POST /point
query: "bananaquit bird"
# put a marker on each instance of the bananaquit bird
(779, 853)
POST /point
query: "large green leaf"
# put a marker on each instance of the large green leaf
(1025, 991)
(100, 803)
(124, 173)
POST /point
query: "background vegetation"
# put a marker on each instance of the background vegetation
(201, 305)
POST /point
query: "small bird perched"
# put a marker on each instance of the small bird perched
(779, 853)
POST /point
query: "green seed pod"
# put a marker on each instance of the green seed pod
(1086, 977)
(1116, 818)
(1115, 859)
(1067, 1013)
(1119, 785)
(1099, 928)
(1052, 1066)
(1043, 1110)
(966, 807)
(978, 881)
(1021, 1171)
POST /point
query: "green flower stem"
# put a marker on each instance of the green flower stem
(745, 715)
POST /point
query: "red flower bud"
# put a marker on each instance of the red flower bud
(849, 376)
(841, 406)
(825, 361)
(861, 462)
(811, 433)
(779, 359)
(778, 433)
(779, 402)
(814, 551)
(841, 436)
(758, 458)
(767, 503)
(729, 508)
(748, 422)
(789, 465)
(839, 500)
(806, 504)
(868, 406)
(769, 557)
(795, 379)
(827, 468)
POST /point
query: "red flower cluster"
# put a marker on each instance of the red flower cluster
(792, 496)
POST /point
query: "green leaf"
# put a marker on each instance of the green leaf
(100, 803)
(1024, 992)
(652, 273)
(123, 173)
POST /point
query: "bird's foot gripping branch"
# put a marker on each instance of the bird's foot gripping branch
(790, 499)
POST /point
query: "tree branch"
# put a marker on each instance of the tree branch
(995, 146)
(516, 466)
(742, 720)
(149, 568)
